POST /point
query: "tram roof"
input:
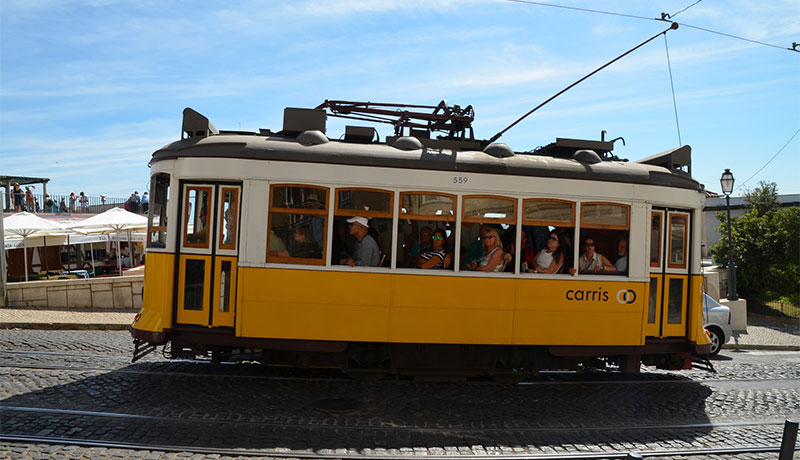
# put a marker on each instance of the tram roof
(566, 158)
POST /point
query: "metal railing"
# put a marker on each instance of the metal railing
(63, 204)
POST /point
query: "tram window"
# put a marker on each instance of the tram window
(371, 204)
(297, 224)
(607, 225)
(420, 214)
(548, 225)
(494, 219)
(196, 217)
(157, 214)
(677, 241)
(655, 239)
(229, 210)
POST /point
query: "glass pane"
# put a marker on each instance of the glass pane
(229, 208)
(299, 197)
(193, 284)
(157, 207)
(604, 214)
(225, 287)
(651, 307)
(426, 205)
(197, 219)
(675, 301)
(655, 240)
(551, 211)
(294, 235)
(677, 241)
(489, 208)
(365, 200)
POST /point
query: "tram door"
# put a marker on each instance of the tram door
(207, 267)
(669, 273)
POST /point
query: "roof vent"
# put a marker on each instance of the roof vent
(312, 137)
(196, 125)
(407, 143)
(296, 120)
(586, 156)
(499, 150)
(359, 134)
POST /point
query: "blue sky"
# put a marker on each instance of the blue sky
(89, 89)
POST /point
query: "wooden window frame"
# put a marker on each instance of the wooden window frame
(429, 217)
(553, 223)
(298, 211)
(627, 225)
(485, 220)
(368, 214)
(235, 206)
(685, 263)
(186, 243)
(660, 215)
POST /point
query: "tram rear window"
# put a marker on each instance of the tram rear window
(157, 212)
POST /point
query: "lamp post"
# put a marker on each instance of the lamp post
(726, 181)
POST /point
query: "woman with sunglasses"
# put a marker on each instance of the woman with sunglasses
(434, 257)
(551, 258)
(492, 259)
(591, 261)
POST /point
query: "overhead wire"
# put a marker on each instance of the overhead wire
(681, 11)
(672, 85)
(770, 160)
(664, 17)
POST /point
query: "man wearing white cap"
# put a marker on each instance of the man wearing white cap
(366, 252)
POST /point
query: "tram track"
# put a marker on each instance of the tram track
(551, 378)
(393, 426)
(377, 454)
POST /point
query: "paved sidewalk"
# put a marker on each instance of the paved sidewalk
(762, 332)
(65, 319)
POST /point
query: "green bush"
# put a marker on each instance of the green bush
(766, 247)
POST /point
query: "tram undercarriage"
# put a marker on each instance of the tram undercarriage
(367, 360)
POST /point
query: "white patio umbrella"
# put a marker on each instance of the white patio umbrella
(114, 220)
(25, 224)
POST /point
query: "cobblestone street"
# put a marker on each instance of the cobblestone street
(80, 384)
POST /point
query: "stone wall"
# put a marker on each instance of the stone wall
(118, 292)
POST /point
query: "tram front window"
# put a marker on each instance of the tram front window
(157, 215)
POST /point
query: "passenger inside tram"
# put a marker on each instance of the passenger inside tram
(304, 244)
(366, 252)
(277, 248)
(592, 261)
(549, 259)
(622, 256)
(474, 249)
(437, 255)
(492, 258)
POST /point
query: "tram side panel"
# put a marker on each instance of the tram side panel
(156, 313)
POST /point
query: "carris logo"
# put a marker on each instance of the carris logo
(626, 296)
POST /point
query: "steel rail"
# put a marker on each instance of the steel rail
(344, 378)
(282, 453)
(434, 429)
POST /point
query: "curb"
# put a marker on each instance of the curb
(762, 347)
(66, 326)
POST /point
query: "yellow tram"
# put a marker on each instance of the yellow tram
(251, 237)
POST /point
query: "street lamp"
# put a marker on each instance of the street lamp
(726, 181)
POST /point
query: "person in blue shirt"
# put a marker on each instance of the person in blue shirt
(366, 252)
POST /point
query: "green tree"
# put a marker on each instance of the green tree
(766, 246)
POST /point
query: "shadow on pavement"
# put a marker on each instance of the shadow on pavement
(240, 406)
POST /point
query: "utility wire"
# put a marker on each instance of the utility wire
(672, 85)
(681, 11)
(664, 17)
(770, 160)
